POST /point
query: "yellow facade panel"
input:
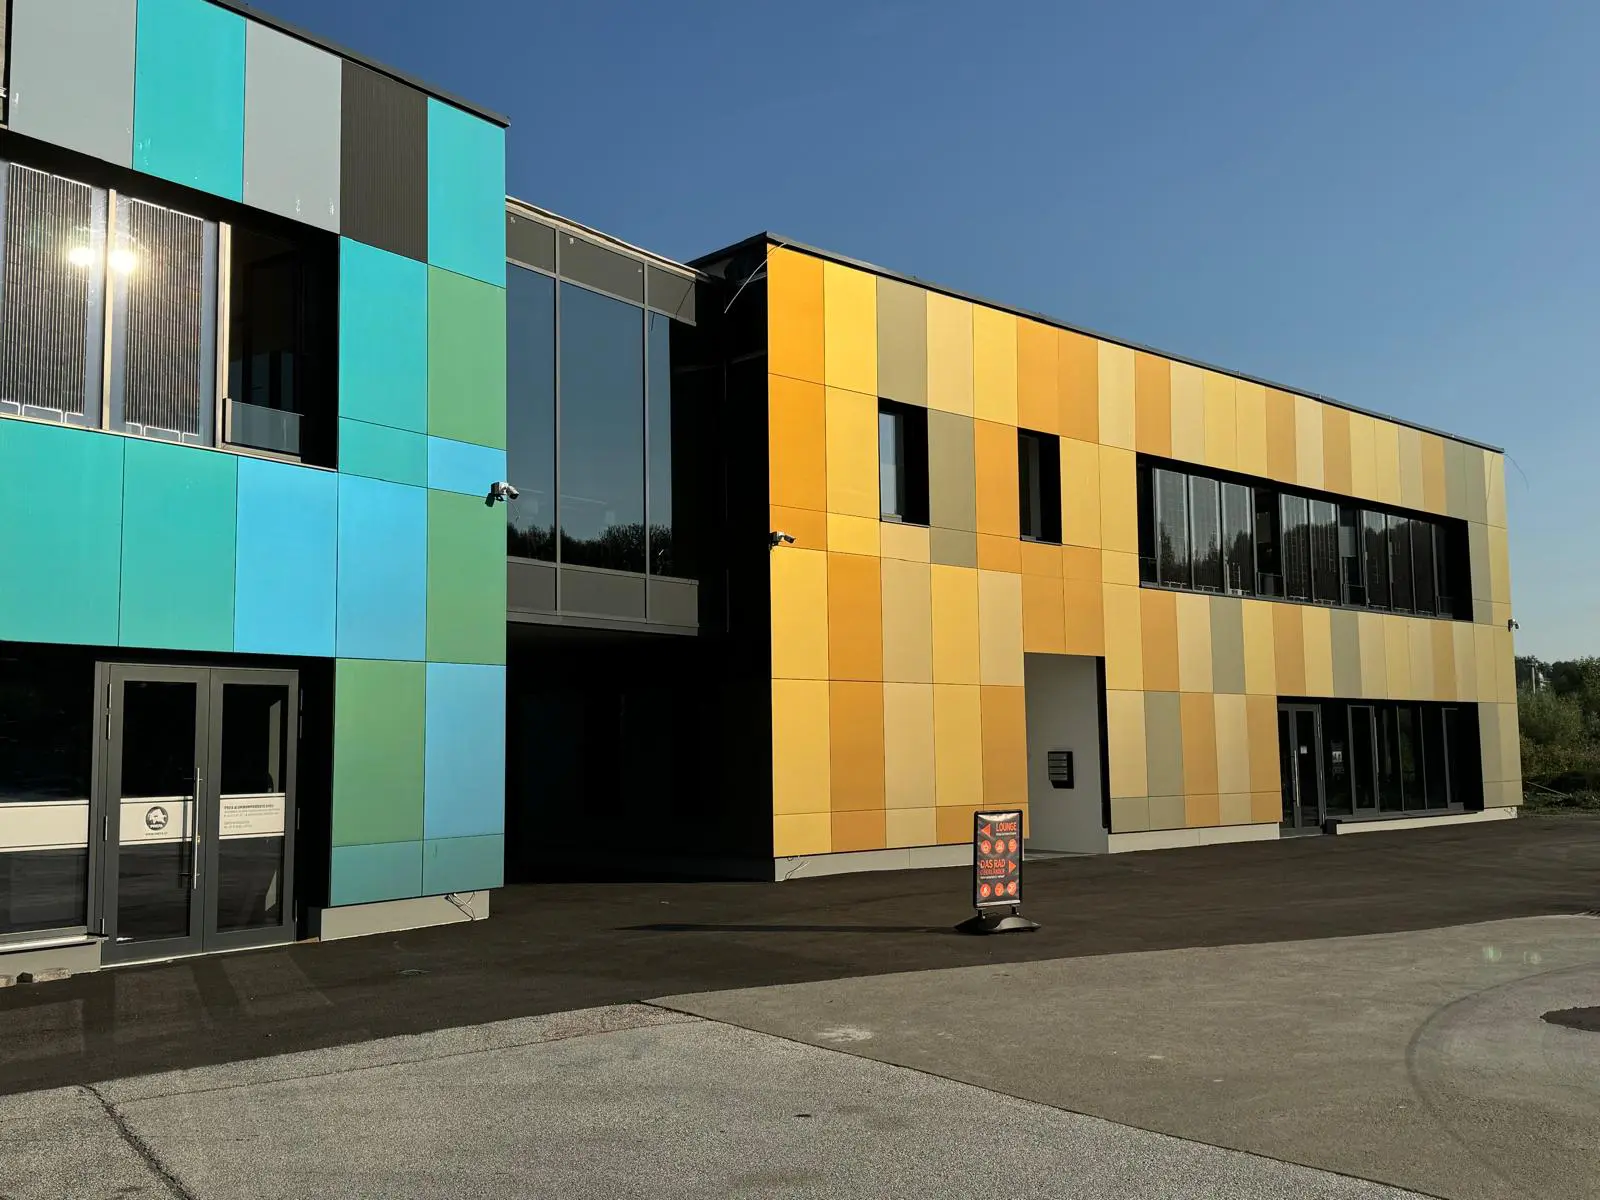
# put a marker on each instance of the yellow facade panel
(797, 444)
(994, 365)
(1282, 440)
(1386, 461)
(1484, 656)
(999, 552)
(949, 354)
(1005, 746)
(858, 831)
(1083, 602)
(909, 542)
(1250, 421)
(1124, 655)
(1080, 493)
(1234, 808)
(908, 745)
(1444, 660)
(1116, 395)
(910, 827)
(1194, 642)
(1363, 457)
(1041, 558)
(1420, 632)
(1038, 393)
(1308, 442)
(955, 625)
(1316, 635)
(1289, 647)
(1118, 566)
(1261, 715)
(1495, 467)
(1222, 433)
(1505, 666)
(907, 621)
(808, 526)
(1335, 449)
(794, 315)
(852, 438)
(850, 329)
(1000, 628)
(801, 753)
(799, 581)
(1233, 747)
(1158, 640)
(1125, 748)
(1466, 656)
(1397, 658)
(855, 745)
(1078, 376)
(855, 617)
(957, 744)
(1411, 483)
(1152, 404)
(994, 450)
(1188, 413)
(1433, 478)
(796, 835)
(1260, 648)
(1119, 501)
(1198, 716)
(1044, 619)
(853, 535)
(1499, 566)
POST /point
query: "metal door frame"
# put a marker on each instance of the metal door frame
(1316, 754)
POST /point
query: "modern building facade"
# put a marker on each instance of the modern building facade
(366, 533)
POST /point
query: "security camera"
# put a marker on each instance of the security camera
(500, 492)
(778, 537)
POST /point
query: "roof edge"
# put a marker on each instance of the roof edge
(779, 241)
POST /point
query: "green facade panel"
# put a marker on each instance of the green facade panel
(379, 717)
(466, 580)
(466, 359)
(382, 452)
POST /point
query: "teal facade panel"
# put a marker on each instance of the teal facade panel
(188, 95)
(287, 559)
(464, 467)
(383, 337)
(383, 570)
(383, 452)
(466, 194)
(464, 764)
(463, 864)
(385, 871)
(61, 534)
(179, 518)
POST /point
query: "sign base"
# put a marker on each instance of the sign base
(995, 923)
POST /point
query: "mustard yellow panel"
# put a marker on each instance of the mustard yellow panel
(955, 624)
(1250, 420)
(808, 527)
(1038, 392)
(909, 542)
(1444, 660)
(1202, 812)
(1080, 493)
(1158, 638)
(1316, 635)
(1411, 486)
(853, 535)
(801, 753)
(955, 823)
(855, 617)
(1124, 655)
(799, 613)
(1233, 747)
(1222, 431)
(1116, 396)
(1194, 643)
(852, 437)
(1499, 566)
(1466, 648)
(1335, 449)
(1374, 656)
(1188, 413)
(1499, 614)
(1386, 461)
(797, 443)
(1119, 501)
(1510, 746)
(1078, 375)
(957, 744)
(1505, 666)
(794, 836)
(1397, 656)
(850, 328)
(1363, 457)
(1086, 631)
(1266, 807)
(1118, 566)
(1434, 492)
(1260, 652)
(949, 354)
(1199, 744)
(1044, 620)
(1485, 652)
(1420, 638)
(1125, 750)
(1000, 628)
(859, 830)
(1152, 404)
(910, 827)
(855, 741)
(1261, 714)
(1495, 467)
(908, 745)
(1005, 746)
(994, 365)
(1041, 558)
(994, 452)
(1000, 552)
(907, 621)
(1288, 643)
(1080, 562)
(794, 315)
(1282, 445)
(1308, 442)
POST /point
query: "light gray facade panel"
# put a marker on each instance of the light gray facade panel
(72, 75)
(602, 593)
(530, 587)
(674, 602)
(952, 472)
(530, 242)
(291, 128)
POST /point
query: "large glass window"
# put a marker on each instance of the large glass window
(1336, 764)
(269, 391)
(1039, 485)
(1172, 529)
(1238, 551)
(1352, 579)
(1363, 761)
(1391, 797)
(1410, 756)
(658, 399)
(1269, 544)
(1205, 523)
(1427, 595)
(531, 413)
(1376, 547)
(602, 431)
(1296, 548)
(1403, 597)
(1324, 552)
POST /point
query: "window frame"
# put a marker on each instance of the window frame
(912, 468)
(1047, 448)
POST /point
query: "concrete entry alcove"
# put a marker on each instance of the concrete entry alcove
(1064, 711)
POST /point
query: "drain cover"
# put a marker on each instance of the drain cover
(1587, 1019)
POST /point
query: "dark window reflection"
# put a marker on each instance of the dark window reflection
(1206, 531)
(602, 431)
(256, 735)
(658, 397)
(1390, 797)
(1363, 767)
(1422, 560)
(531, 413)
(1237, 550)
(1172, 529)
(1147, 524)
(1324, 552)
(155, 859)
(1400, 563)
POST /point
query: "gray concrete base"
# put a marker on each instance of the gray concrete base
(1397, 823)
(907, 858)
(1174, 839)
(76, 957)
(388, 916)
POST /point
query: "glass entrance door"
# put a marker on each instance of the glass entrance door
(1300, 765)
(197, 821)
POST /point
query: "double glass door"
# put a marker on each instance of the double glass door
(1300, 766)
(197, 821)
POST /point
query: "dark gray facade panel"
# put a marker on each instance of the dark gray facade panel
(953, 547)
(291, 128)
(1163, 739)
(530, 587)
(674, 602)
(383, 167)
(671, 294)
(602, 593)
(584, 262)
(531, 243)
(71, 65)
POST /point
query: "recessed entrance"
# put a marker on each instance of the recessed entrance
(1300, 764)
(197, 811)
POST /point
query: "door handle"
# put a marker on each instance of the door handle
(199, 841)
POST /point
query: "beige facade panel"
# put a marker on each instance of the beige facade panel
(1194, 642)
(1250, 421)
(1116, 395)
(1466, 659)
(1455, 479)
(908, 747)
(1125, 746)
(1316, 629)
(1478, 557)
(1222, 433)
(1000, 628)
(910, 827)
(1499, 565)
(1130, 814)
(1308, 442)
(908, 542)
(1188, 413)
(907, 621)
(1411, 487)
(1233, 749)
(1168, 812)
(1397, 658)
(853, 535)
(902, 342)
(1227, 645)
(1484, 652)
(1420, 635)
(1119, 501)
(1345, 635)
(953, 547)
(1260, 650)
(949, 354)
(1495, 465)
(1374, 656)
(1386, 460)
(952, 472)
(1363, 457)
(1164, 744)
(1477, 484)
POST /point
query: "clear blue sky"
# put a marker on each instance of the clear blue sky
(1397, 204)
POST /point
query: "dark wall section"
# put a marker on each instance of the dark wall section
(383, 178)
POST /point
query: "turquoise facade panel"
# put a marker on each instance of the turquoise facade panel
(386, 871)
(463, 467)
(466, 194)
(178, 527)
(60, 534)
(188, 95)
(464, 864)
(383, 337)
(383, 452)
(287, 559)
(465, 751)
(383, 570)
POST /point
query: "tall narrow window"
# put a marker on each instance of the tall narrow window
(1410, 757)
(1205, 524)
(1376, 550)
(891, 464)
(1363, 761)
(1296, 548)
(1422, 564)
(1147, 524)
(1351, 577)
(1336, 760)
(265, 377)
(1039, 485)
(531, 413)
(902, 463)
(1400, 564)
(1238, 551)
(1172, 529)
(1269, 544)
(1435, 762)
(1390, 796)
(1324, 552)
